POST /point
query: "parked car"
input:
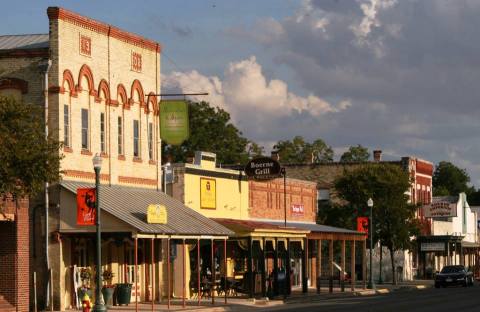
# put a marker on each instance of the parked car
(453, 275)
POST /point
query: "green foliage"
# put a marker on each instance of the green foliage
(27, 158)
(212, 131)
(355, 154)
(394, 219)
(300, 151)
(448, 179)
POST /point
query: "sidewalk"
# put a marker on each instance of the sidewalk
(245, 304)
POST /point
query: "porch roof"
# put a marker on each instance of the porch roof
(321, 231)
(244, 228)
(130, 204)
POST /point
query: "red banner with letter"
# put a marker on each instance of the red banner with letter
(362, 224)
(86, 213)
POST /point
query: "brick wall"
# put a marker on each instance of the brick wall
(14, 257)
(266, 200)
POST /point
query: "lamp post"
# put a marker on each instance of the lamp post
(99, 306)
(371, 285)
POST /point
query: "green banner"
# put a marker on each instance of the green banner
(174, 127)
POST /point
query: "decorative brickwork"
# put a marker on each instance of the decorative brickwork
(85, 45)
(85, 175)
(14, 83)
(55, 13)
(133, 180)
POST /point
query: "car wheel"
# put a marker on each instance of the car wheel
(437, 285)
(465, 282)
(471, 281)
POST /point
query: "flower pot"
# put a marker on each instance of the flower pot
(107, 293)
(123, 293)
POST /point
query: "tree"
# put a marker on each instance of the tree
(212, 131)
(448, 179)
(355, 154)
(300, 151)
(394, 219)
(27, 158)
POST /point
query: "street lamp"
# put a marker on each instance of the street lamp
(371, 285)
(99, 306)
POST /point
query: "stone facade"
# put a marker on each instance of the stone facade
(113, 76)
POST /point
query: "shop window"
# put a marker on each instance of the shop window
(85, 129)
(66, 126)
(120, 135)
(136, 139)
(150, 141)
(102, 132)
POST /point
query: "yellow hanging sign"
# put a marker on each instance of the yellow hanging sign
(157, 214)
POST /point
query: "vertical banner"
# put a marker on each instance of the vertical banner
(174, 125)
(86, 206)
(362, 224)
(208, 194)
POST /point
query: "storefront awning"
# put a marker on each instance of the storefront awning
(319, 231)
(248, 228)
(129, 205)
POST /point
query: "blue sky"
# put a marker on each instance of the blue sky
(395, 75)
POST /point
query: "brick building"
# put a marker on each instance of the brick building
(98, 85)
(14, 256)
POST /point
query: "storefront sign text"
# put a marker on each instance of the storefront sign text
(157, 214)
(440, 210)
(432, 247)
(263, 168)
(297, 210)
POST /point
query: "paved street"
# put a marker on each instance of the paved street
(431, 299)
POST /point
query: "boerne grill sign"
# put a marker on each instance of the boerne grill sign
(263, 168)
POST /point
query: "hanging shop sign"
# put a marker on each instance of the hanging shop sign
(297, 209)
(440, 210)
(362, 224)
(157, 214)
(208, 193)
(174, 125)
(86, 213)
(437, 246)
(263, 168)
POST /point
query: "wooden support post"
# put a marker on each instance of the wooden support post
(251, 281)
(199, 291)
(263, 268)
(319, 265)
(212, 287)
(275, 268)
(330, 266)
(364, 263)
(289, 282)
(184, 288)
(342, 274)
(168, 273)
(352, 263)
(152, 250)
(225, 268)
(136, 275)
(304, 266)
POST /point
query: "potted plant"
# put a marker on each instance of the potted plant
(85, 275)
(108, 287)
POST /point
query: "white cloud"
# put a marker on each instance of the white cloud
(245, 89)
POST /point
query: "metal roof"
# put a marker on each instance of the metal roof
(251, 226)
(320, 228)
(32, 41)
(130, 204)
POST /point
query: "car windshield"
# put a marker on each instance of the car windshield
(452, 269)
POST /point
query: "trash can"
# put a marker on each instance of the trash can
(123, 293)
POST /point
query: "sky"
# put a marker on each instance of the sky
(401, 76)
